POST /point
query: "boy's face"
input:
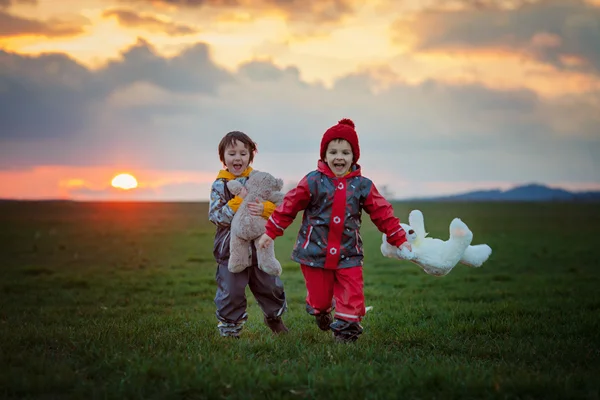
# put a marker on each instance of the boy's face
(339, 156)
(237, 158)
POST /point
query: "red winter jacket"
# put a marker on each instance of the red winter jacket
(330, 233)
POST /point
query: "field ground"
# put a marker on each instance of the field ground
(115, 300)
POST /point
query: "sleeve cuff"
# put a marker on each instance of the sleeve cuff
(397, 239)
(268, 209)
(235, 203)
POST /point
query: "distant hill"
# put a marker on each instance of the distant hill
(531, 192)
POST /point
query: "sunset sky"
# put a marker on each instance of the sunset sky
(447, 96)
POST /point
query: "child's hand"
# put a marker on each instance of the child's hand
(264, 241)
(406, 246)
(256, 208)
(243, 192)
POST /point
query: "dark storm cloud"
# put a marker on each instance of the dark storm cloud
(471, 97)
(52, 95)
(170, 113)
(555, 32)
(440, 112)
(130, 18)
(266, 71)
(191, 71)
(11, 25)
(469, 132)
(42, 96)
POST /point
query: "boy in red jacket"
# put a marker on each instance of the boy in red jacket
(329, 247)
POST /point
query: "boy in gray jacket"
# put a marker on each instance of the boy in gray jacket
(236, 152)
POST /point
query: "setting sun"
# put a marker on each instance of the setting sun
(124, 181)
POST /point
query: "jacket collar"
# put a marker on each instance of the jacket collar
(225, 174)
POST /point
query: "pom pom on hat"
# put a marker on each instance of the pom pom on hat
(343, 130)
(347, 121)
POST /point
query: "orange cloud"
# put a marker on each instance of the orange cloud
(13, 25)
(501, 69)
(130, 18)
(9, 3)
(306, 10)
(549, 32)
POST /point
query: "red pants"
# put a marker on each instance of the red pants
(345, 285)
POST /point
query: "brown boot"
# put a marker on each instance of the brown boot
(323, 321)
(276, 325)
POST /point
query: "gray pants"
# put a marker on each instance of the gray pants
(231, 296)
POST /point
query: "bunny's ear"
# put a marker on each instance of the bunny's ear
(411, 234)
(417, 222)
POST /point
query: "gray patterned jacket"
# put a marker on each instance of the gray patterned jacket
(220, 214)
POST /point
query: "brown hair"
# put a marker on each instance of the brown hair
(236, 136)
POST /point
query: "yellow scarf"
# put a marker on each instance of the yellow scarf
(225, 174)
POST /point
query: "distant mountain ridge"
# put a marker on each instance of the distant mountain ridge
(531, 192)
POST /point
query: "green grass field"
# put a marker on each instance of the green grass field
(115, 300)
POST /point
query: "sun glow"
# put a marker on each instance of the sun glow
(124, 181)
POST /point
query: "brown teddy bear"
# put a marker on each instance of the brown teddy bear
(246, 228)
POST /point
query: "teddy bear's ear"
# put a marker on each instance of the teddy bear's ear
(276, 198)
(279, 184)
(234, 187)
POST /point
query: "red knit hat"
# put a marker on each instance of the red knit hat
(343, 130)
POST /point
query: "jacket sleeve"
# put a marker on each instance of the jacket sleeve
(220, 212)
(382, 215)
(268, 209)
(294, 201)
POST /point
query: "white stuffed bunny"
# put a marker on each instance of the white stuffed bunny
(435, 256)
